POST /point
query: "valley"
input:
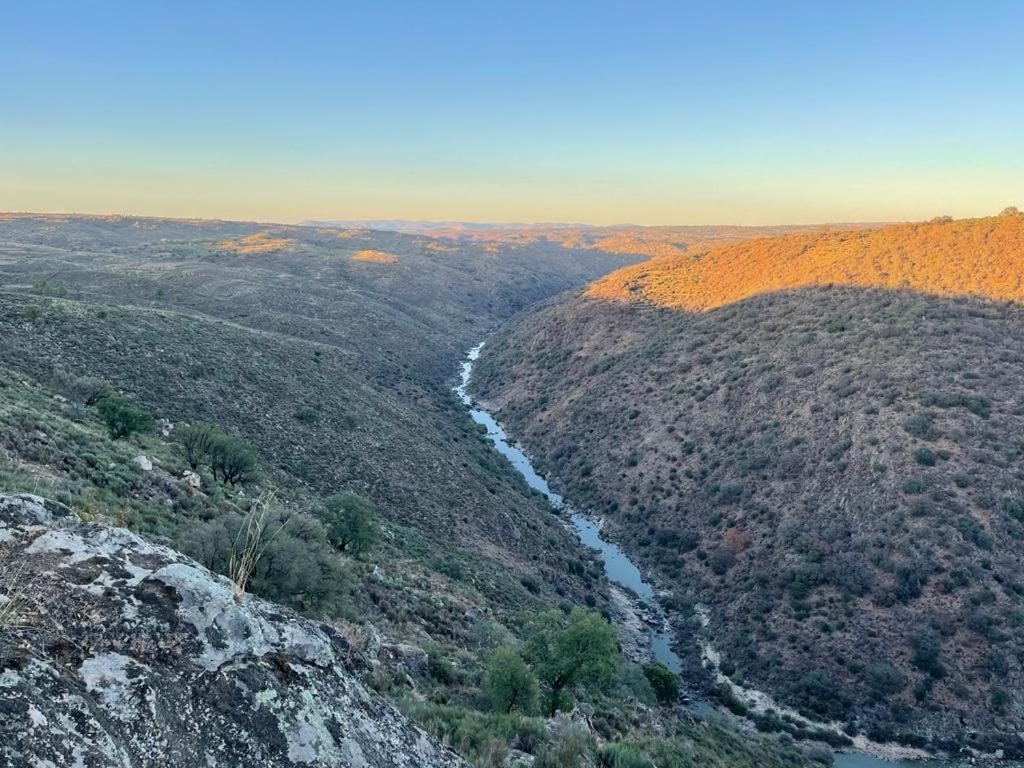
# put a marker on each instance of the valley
(144, 359)
(700, 438)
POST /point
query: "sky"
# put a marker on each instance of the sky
(598, 112)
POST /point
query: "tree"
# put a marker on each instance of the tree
(90, 390)
(663, 680)
(232, 459)
(510, 683)
(350, 521)
(579, 650)
(122, 418)
(196, 441)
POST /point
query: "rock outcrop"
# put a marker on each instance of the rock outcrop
(118, 652)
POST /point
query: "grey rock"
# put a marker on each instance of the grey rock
(407, 657)
(130, 654)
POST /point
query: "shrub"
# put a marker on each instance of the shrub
(351, 524)
(922, 426)
(622, 755)
(566, 749)
(884, 679)
(232, 459)
(721, 560)
(295, 568)
(925, 457)
(510, 683)
(87, 390)
(122, 418)
(926, 645)
(196, 442)
(580, 650)
(819, 693)
(663, 680)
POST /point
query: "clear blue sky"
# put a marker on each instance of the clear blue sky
(581, 111)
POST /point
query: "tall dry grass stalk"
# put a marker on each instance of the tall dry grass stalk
(14, 599)
(251, 542)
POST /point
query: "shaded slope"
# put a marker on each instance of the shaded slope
(835, 471)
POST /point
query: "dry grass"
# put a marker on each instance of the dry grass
(15, 604)
(374, 256)
(251, 542)
(980, 257)
(258, 242)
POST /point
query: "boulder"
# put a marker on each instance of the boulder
(144, 462)
(124, 653)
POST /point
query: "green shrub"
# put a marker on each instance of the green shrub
(925, 457)
(581, 649)
(622, 755)
(351, 523)
(663, 680)
(232, 459)
(196, 442)
(122, 418)
(295, 567)
(510, 683)
(884, 679)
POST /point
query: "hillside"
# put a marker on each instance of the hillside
(818, 438)
(325, 375)
(977, 257)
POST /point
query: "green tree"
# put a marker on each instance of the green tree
(122, 418)
(196, 442)
(233, 460)
(510, 683)
(663, 680)
(351, 524)
(578, 650)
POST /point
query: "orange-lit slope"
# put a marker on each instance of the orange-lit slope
(983, 257)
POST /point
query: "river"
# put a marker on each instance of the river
(621, 570)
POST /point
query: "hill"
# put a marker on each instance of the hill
(977, 257)
(818, 438)
(142, 359)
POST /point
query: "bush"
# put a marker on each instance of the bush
(510, 683)
(122, 418)
(663, 680)
(579, 650)
(295, 566)
(567, 749)
(925, 457)
(351, 524)
(622, 755)
(819, 693)
(87, 390)
(926, 645)
(232, 459)
(922, 426)
(884, 679)
(721, 560)
(196, 442)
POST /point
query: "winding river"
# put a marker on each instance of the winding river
(622, 571)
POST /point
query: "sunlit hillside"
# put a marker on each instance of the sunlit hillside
(981, 257)
(817, 438)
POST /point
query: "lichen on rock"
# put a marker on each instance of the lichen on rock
(131, 654)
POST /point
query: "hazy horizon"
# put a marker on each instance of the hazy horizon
(597, 113)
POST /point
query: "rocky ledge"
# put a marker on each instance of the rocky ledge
(118, 652)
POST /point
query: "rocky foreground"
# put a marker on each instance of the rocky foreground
(117, 652)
